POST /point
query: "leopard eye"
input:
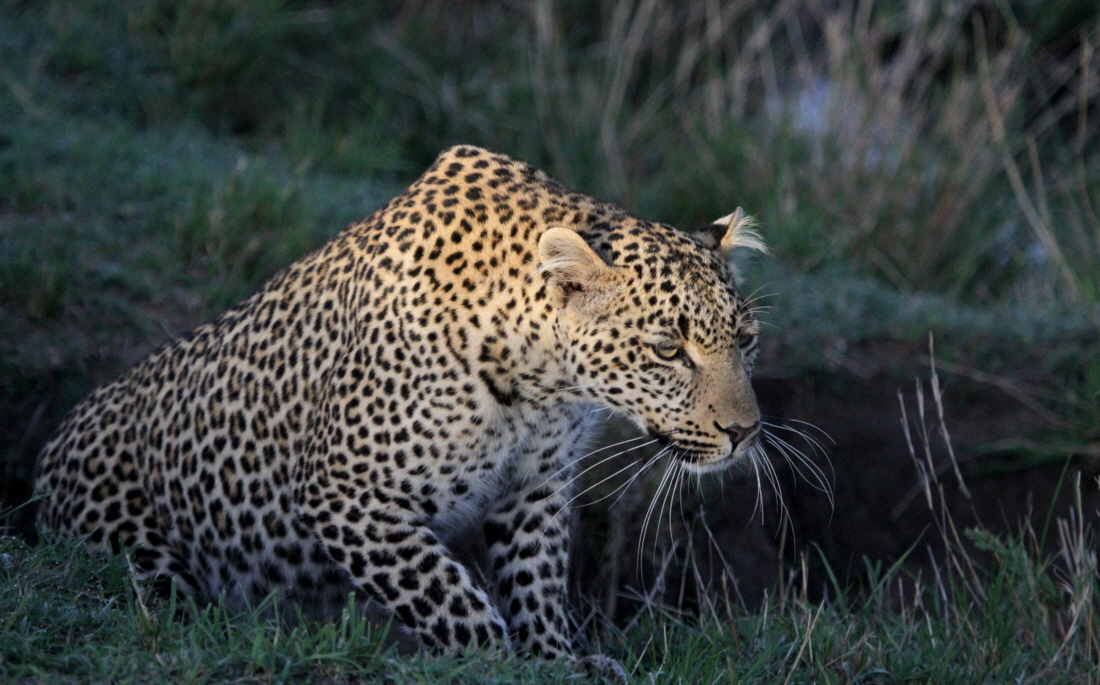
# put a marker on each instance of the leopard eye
(668, 352)
(744, 339)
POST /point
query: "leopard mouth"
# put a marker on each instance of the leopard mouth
(702, 460)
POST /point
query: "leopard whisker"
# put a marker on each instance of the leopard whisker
(674, 493)
(815, 476)
(778, 442)
(675, 469)
(614, 445)
(648, 516)
(604, 460)
(679, 488)
(755, 454)
(753, 296)
(572, 464)
(815, 427)
(597, 483)
(575, 387)
(773, 478)
(621, 490)
(817, 445)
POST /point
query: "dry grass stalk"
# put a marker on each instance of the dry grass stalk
(1035, 210)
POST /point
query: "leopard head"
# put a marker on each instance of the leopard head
(654, 327)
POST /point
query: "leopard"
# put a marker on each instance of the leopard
(429, 371)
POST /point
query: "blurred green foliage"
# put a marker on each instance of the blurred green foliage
(856, 133)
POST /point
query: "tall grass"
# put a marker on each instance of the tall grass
(868, 133)
(946, 146)
(1014, 590)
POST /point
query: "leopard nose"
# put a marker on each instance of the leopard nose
(738, 433)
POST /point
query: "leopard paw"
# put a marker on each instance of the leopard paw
(603, 667)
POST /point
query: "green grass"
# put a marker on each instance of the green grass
(1005, 614)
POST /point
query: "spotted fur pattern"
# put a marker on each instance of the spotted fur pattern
(434, 365)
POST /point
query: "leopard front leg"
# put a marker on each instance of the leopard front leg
(528, 538)
(401, 563)
(372, 516)
(527, 533)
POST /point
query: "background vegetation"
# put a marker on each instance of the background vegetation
(916, 166)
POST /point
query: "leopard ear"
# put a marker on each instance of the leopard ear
(571, 265)
(731, 232)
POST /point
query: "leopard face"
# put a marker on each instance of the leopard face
(667, 342)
